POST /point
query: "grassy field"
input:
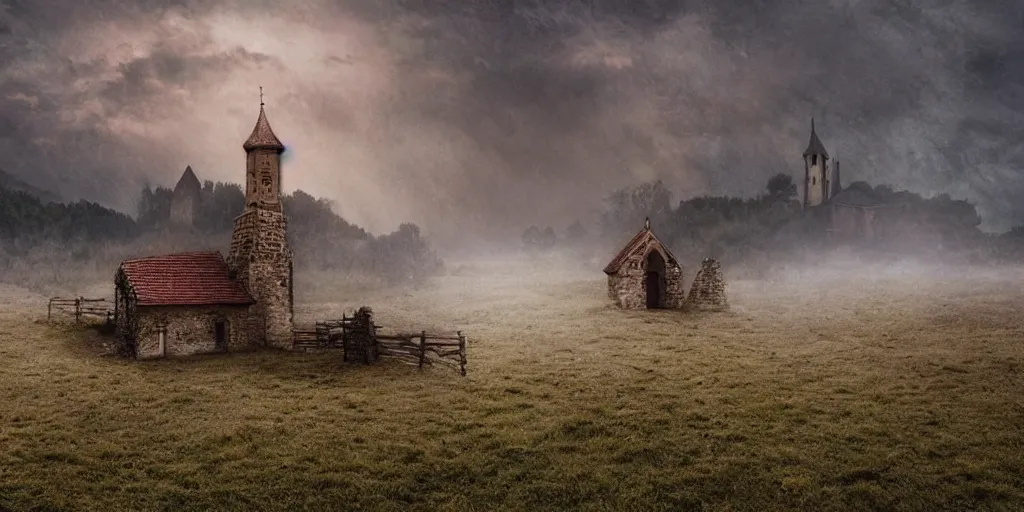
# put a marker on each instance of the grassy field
(853, 391)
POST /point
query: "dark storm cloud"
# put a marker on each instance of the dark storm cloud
(495, 114)
(150, 77)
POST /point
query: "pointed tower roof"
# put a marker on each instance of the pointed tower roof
(815, 147)
(188, 181)
(642, 240)
(262, 136)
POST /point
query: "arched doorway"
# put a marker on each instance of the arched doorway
(655, 276)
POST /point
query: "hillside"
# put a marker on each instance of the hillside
(10, 182)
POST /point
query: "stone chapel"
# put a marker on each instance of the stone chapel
(849, 213)
(200, 302)
(645, 274)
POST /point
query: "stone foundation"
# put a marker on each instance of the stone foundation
(708, 290)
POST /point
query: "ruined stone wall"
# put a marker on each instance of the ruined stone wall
(261, 259)
(190, 329)
(628, 287)
(675, 291)
(708, 290)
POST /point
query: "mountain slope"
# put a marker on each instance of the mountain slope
(11, 183)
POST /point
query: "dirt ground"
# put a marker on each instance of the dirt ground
(895, 388)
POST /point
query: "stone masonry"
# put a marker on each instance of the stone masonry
(628, 288)
(708, 290)
(260, 257)
(189, 303)
(186, 299)
(262, 261)
(628, 274)
(190, 330)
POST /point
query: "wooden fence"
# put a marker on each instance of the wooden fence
(425, 349)
(357, 336)
(80, 308)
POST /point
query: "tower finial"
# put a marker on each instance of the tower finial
(647, 223)
(261, 101)
(812, 120)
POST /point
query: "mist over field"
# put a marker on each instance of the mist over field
(469, 169)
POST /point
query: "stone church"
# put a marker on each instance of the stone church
(645, 274)
(821, 177)
(849, 214)
(200, 302)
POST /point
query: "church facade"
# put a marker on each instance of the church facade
(645, 274)
(200, 302)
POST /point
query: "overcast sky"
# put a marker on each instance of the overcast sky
(471, 116)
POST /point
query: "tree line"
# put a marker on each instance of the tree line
(768, 227)
(320, 239)
(773, 225)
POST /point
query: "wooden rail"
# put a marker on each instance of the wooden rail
(357, 336)
(80, 307)
(425, 349)
(305, 339)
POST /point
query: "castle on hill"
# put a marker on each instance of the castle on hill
(201, 302)
(849, 214)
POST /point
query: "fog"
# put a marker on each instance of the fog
(809, 285)
(477, 119)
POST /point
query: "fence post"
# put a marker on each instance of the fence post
(78, 309)
(374, 343)
(49, 309)
(423, 348)
(367, 328)
(344, 337)
(462, 353)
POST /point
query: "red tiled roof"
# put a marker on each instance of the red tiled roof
(192, 279)
(637, 241)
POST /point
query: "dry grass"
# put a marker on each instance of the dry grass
(900, 392)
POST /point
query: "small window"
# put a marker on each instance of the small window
(814, 180)
(814, 159)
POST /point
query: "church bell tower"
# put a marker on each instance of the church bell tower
(817, 172)
(260, 257)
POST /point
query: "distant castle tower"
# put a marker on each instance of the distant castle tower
(260, 257)
(821, 180)
(185, 199)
